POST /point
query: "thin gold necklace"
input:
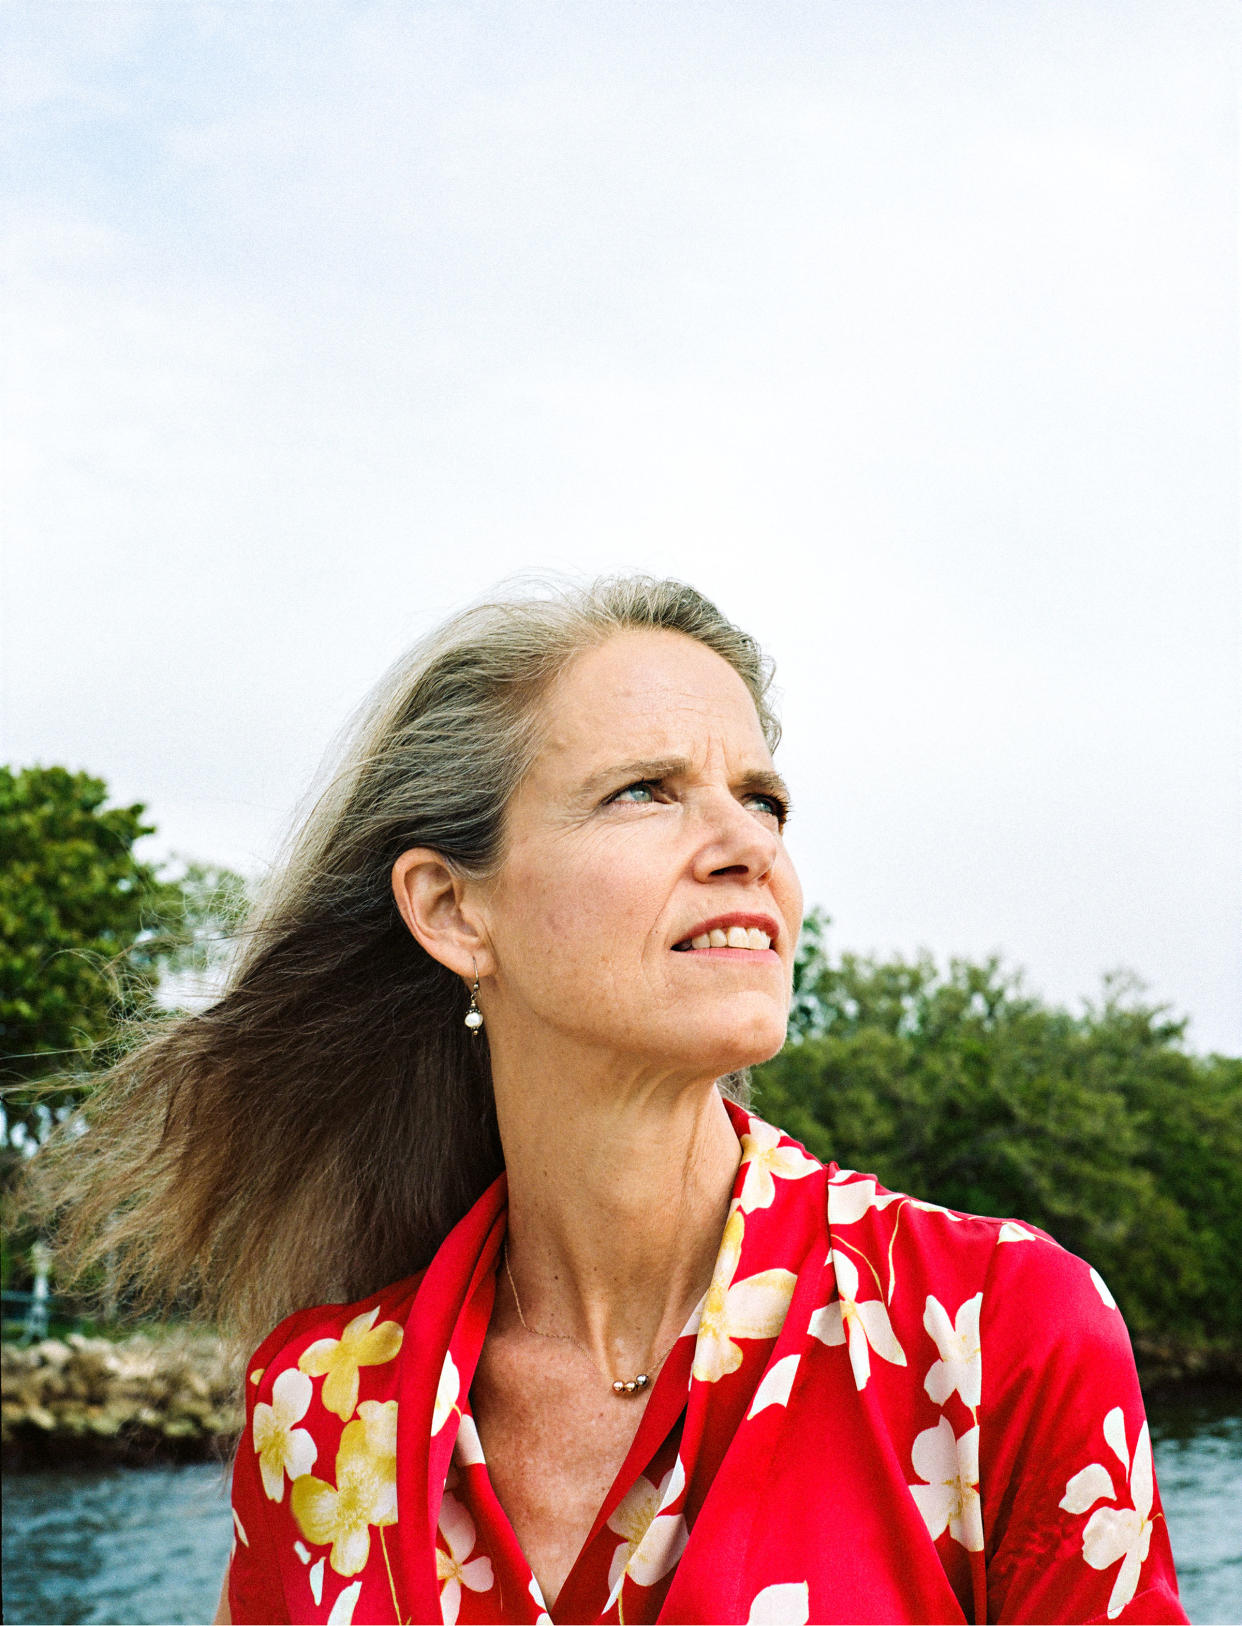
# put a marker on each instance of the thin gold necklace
(620, 1386)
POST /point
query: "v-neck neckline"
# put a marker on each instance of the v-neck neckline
(666, 1405)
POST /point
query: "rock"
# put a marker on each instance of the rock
(49, 1352)
(130, 1400)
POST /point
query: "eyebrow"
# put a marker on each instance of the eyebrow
(657, 768)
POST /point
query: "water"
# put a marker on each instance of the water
(141, 1545)
(148, 1545)
(1197, 1439)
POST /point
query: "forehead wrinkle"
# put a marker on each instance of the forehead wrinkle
(638, 710)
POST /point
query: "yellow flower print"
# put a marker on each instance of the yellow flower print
(447, 1391)
(361, 1344)
(365, 1492)
(752, 1308)
(379, 1426)
(379, 1421)
(763, 1158)
(282, 1448)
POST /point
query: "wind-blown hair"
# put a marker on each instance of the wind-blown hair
(316, 1132)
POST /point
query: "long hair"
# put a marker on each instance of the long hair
(317, 1131)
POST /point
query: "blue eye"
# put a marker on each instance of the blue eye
(641, 791)
(773, 805)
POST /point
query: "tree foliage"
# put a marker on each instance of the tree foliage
(87, 931)
(1101, 1128)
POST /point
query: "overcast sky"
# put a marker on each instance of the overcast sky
(906, 331)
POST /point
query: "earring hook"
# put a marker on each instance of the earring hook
(474, 1016)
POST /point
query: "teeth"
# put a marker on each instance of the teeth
(737, 937)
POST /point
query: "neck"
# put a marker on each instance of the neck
(617, 1200)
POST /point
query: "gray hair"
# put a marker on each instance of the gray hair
(317, 1132)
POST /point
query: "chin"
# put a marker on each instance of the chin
(742, 1039)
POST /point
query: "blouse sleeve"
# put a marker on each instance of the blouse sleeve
(1072, 1515)
(255, 1591)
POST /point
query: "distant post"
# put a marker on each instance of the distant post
(36, 1315)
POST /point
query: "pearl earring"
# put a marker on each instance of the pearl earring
(474, 1016)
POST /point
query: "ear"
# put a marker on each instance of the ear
(441, 910)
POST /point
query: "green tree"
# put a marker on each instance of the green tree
(87, 930)
(959, 1086)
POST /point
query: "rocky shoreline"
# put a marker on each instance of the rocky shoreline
(142, 1399)
(175, 1397)
(1174, 1363)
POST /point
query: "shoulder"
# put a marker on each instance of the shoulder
(857, 1199)
(320, 1400)
(1007, 1374)
(1024, 1276)
(327, 1336)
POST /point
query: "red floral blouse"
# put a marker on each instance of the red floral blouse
(881, 1411)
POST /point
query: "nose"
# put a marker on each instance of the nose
(735, 843)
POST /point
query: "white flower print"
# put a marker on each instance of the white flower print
(544, 1618)
(933, 1208)
(282, 1448)
(446, 1394)
(786, 1604)
(343, 1609)
(764, 1157)
(469, 1448)
(1101, 1287)
(866, 1323)
(950, 1498)
(455, 1568)
(960, 1365)
(850, 1196)
(1009, 1232)
(776, 1385)
(653, 1540)
(752, 1308)
(1116, 1533)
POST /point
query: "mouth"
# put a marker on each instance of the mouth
(754, 934)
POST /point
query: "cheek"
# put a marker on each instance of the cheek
(788, 891)
(594, 911)
(794, 894)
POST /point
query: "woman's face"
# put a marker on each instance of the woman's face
(649, 825)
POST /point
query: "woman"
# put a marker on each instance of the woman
(665, 1365)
